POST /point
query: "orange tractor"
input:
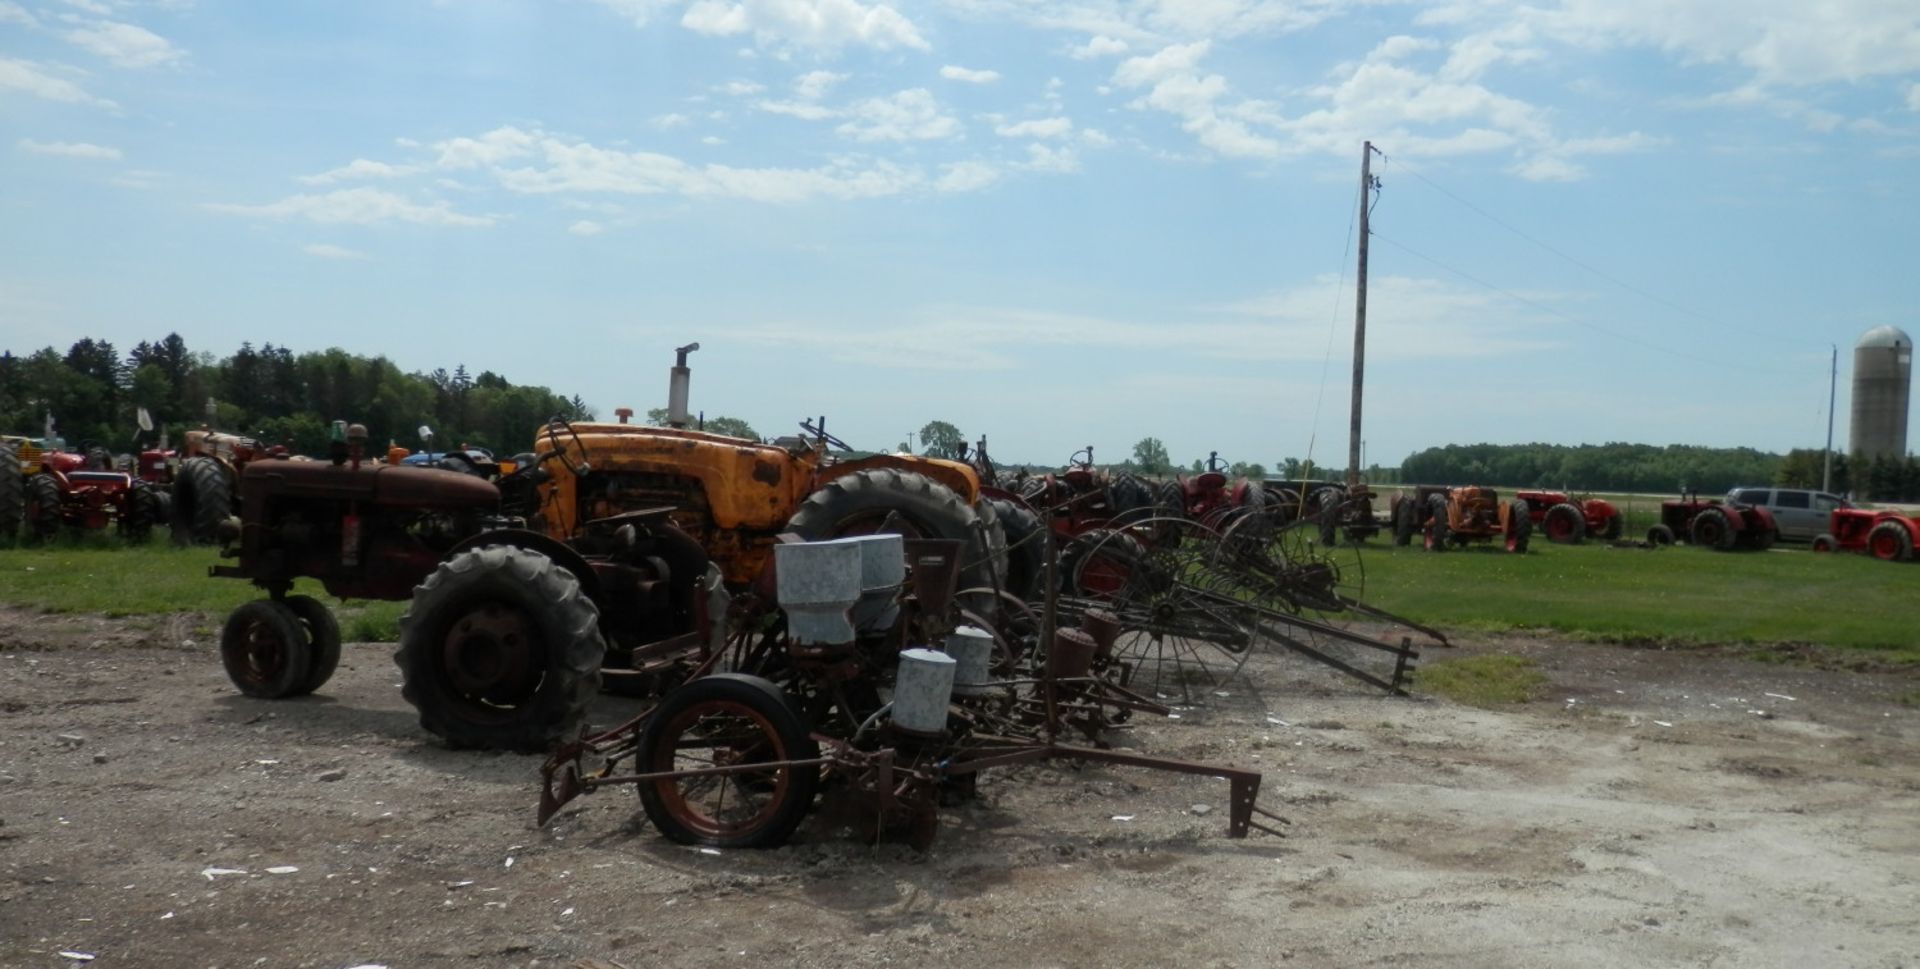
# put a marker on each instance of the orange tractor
(1452, 517)
(1567, 520)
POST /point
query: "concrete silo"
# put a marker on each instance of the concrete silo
(1882, 376)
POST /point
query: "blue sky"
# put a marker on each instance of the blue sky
(1054, 223)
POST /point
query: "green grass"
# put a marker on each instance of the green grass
(99, 576)
(1482, 681)
(1678, 595)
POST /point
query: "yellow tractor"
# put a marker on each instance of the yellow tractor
(633, 532)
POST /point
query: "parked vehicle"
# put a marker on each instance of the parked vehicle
(1722, 526)
(1567, 520)
(1798, 514)
(1885, 535)
(1446, 516)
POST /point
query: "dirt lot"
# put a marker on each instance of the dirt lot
(1657, 809)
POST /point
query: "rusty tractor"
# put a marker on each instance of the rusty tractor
(1447, 517)
(1212, 498)
(206, 484)
(1721, 526)
(1885, 535)
(43, 491)
(1568, 520)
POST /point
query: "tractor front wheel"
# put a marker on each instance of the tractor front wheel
(1563, 524)
(1437, 531)
(500, 650)
(142, 510)
(202, 499)
(1026, 547)
(1660, 535)
(727, 720)
(265, 650)
(1614, 527)
(1825, 543)
(1519, 526)
(43, 508)
(1406, 520)
(1890, 542)
(323, 637)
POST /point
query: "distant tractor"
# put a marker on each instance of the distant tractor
(1210, 497)
(1567, 520)
(206, 487)
(1714, 524)
(1885, 535)
(42, 491)
(1452, 517)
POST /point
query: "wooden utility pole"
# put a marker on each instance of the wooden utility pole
(1833, 384)
(1360, 316)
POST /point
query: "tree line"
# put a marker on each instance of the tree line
(92, 394)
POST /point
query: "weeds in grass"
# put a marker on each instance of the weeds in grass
(1482, 681)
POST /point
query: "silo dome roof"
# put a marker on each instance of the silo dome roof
(1884, 336)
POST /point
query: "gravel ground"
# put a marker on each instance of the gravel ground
(1692, 808)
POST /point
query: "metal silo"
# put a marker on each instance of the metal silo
(1882, 374)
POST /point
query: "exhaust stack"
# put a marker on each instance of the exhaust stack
(677, 383)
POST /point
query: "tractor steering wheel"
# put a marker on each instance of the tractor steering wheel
(1215, 462)
(1082, 458)
(820, 434)
(558, 450)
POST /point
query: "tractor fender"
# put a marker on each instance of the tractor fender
(964, 481)
(560, 552)
(1752, 516)
(1912, 525)
(1598, 509)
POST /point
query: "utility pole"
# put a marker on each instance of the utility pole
(1360, 315)
(1833, 384)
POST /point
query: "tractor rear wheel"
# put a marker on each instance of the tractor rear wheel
(1406, 520)
(727, 720)
(1614, 527)
(996, 538)
(1563, 524)
(1130, 498)
(1519, 526)
(264, 650)
(901, 502)
(1437, 532)
(323, 640)
(13, 493)
(500, 649)
(1026, 547)
(202, 499)
(1100, 563)
(43, 508)
(1712, 529)
(1890, 542)
(1659, 535)
(1824, 542)
(141, 511)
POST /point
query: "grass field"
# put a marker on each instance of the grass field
(1678, 596)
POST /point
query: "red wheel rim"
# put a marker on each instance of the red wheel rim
(729, 733)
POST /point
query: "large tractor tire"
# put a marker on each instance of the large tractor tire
(42, 515)
(1889, 541)
(202, 499)
(1615, 526)
(1027, 541)
(142, 511)
(1102, 563)
(724, 720)
(996, 538)
(1660, 535)
(1712, 529)
(1406, 520)
(1438, 534)
(1824, 542)
(902, 502)
(13, 493)
(1170, 500)
(1564, 524)
(1519, 526)
(1130, 498)
(500, 650)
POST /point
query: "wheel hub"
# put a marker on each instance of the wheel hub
(489, 653)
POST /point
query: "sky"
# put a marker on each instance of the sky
(1054, 223)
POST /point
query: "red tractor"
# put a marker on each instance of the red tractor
(1567, 520)
(59, 488)
(1446, 516)
(205, 490)
(1886, 535)
(1210, 497)
(1721, 526)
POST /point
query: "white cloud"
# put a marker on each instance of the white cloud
(713, 140)
(1913, 97)
(1099, 45)
(1036, 128)
(637, 11)
(65, 149)
(30, 78)
(13, 13)
(356, 206)
(967, 176)
(814, 85)
(500, 144)
(1046, 158)
(910, 115)
(327, 250)
(126, 45)
(742, 89)
(586, 227)
(359, 168)
(815, 24)
(953, 72)
(668, 122)
(804, 110)
(91, 6)
(138, 178)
